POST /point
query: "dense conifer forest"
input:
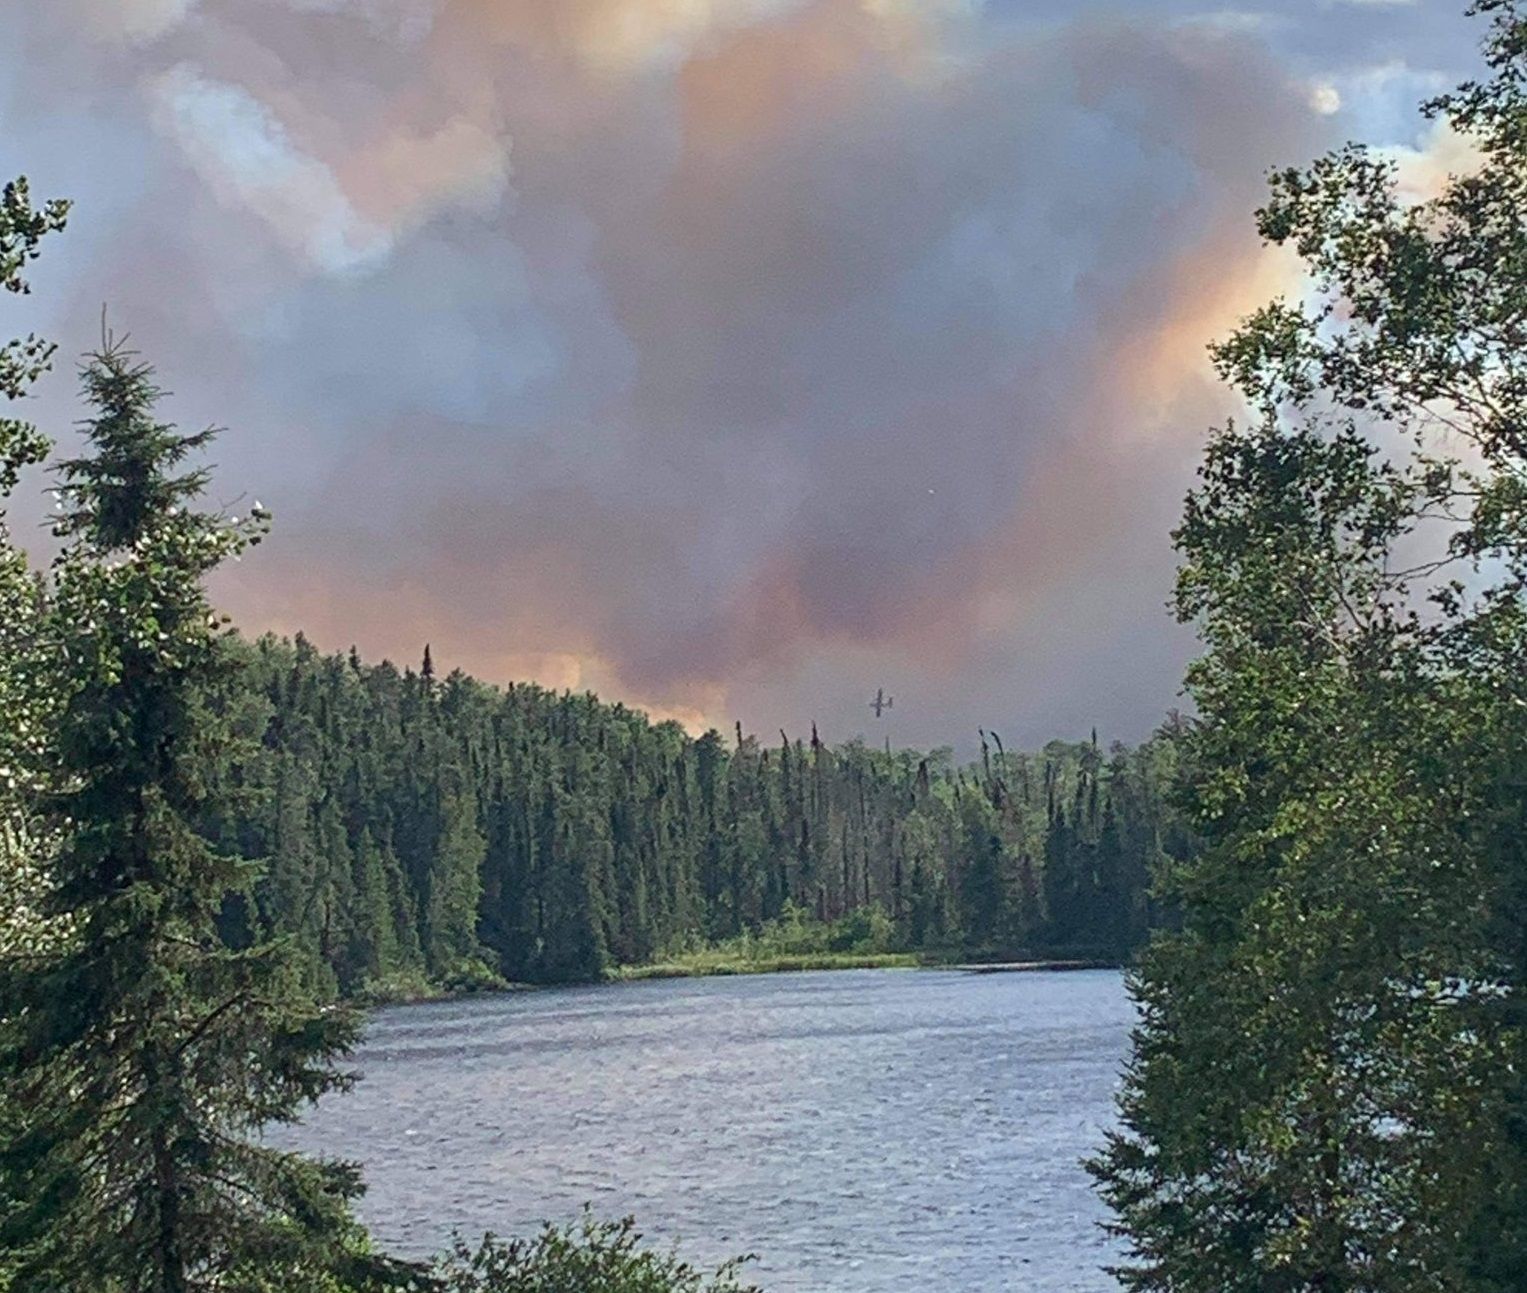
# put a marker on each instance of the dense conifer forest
(208, 843)
(423, 831)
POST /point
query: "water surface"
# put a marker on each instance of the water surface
(863, 1131)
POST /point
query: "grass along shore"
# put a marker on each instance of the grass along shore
(862, 940)
(717, 961)
(721, 960)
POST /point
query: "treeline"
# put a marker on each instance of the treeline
(423, 829)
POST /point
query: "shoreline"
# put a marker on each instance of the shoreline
(702, 966)
(699, 967)
(1031, 967)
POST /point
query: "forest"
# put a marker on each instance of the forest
(418, 830)
(212, 849)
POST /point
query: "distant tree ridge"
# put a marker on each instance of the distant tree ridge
(419, 830)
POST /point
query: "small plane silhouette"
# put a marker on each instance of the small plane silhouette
(882, 702)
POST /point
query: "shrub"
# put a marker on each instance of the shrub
(865, 930)
(589, 1257)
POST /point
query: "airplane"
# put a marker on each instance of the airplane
(882, 702)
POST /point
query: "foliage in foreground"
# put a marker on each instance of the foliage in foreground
(590, 1257)
(1327, 1089)
(140, 1053)
(26, 700)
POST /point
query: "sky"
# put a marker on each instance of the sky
(731, 358)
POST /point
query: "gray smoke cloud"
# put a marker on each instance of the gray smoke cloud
(731, 357)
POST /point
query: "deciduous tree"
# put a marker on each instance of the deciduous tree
(1326, 1090)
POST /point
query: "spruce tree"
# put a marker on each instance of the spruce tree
(373, 951)
(451, 947)
(403, 826)
(145, 1053)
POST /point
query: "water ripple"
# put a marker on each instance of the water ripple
(862, 1131)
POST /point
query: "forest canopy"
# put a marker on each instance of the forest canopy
(418, 829)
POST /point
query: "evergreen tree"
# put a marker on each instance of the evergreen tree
(373, 950)
(574, 944)
(455, 888)
(983, 882)
(140, 1059)
(555, 836)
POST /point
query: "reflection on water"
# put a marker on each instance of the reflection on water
(863, 1131)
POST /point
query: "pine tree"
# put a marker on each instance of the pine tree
(145, 1054)
(983, 890)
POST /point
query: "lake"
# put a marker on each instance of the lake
(862, 1131)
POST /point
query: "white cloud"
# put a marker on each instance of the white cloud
(1423, 172)
(403, 19)
(622, 34)
(1380, 100)
(1325, 99)
(243, 154)
(137, 21)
